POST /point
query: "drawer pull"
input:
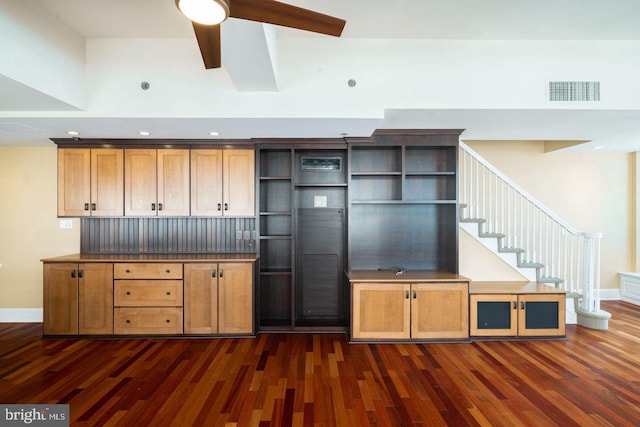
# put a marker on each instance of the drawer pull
(221, 273)
(168, 321)
(128, 321)
(168, 293)
(167, 271)
(213, 273)
(128, 293)
(127, 271)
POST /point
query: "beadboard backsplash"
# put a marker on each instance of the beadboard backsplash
(167, 235)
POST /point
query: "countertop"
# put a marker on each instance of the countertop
(248, 257)
(408, 276)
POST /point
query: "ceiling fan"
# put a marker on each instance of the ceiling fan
(207, 15)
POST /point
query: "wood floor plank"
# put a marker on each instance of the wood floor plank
(590, 379)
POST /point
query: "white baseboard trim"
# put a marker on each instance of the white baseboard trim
(609, 294)
(21, 315)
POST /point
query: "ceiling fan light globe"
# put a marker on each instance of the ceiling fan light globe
(206, 12)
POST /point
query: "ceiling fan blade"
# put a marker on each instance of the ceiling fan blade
(286, 15)
(209, 41)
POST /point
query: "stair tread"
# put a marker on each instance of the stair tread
(531, 265)
(476, 220)
(496, 235)
(511, 250)
(550, 280)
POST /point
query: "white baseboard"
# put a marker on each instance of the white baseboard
(20, 315)
(609, 294)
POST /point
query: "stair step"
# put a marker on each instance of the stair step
(511, 250)
(551, 280)
(530, 265)
(496, 235)
(476, 220)
(462, 205)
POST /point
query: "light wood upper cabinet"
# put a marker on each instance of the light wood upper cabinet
(206, 182)
(222, 182)
(156, 182)
(238, 183)
(90, 182)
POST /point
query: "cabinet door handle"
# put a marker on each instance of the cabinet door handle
(159, 206)
(80, 273)
(523, 305)
(415, 294)
(220, 273)
(73, 274)
(406, 294)
(153, 206)
(86, 206)
(213, 273)
(226, 206)
(515, 305)
(219, 206)
(93, 206)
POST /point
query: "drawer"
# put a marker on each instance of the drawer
(147, 271)
(147, 293)
(147, 321)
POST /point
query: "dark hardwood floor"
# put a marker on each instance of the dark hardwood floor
(590, 379)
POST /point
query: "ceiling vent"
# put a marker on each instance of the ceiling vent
(574, 91)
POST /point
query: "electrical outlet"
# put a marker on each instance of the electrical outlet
(66, 223)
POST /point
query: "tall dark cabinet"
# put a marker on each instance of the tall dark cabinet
(303, 200)
(403, 201)
(333, 206)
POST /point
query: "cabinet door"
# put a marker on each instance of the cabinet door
(140, 182)
(173, 182)
(440, 311)
(200, 298)
(107, 182)
(380, 311)
(60, 299)
(206, 182)
(74, 181)
(95, 299)
(541, 315)
(494, 315)
(239, 183)
(235, 298)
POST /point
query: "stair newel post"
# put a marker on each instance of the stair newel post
(591, 268)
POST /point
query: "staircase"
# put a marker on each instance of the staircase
(529, 237)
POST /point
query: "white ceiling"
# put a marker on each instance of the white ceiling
(31, 116)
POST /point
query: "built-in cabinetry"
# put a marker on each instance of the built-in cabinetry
(166, 182)
(303, 199)
(516, 309)
(149, 295)
(218, 298)
(222, 182)
(90, 182)
(403, 201)
(415, 305)
(78, 298)
(156, 182)
(147, 298)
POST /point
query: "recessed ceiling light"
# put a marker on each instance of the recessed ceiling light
(598, 147)
(214, 133)
(144, 133)
(73, 132)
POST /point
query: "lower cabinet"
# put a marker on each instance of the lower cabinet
(400, 311)
(78, 299)
(148, 298)
(218, 298)
(524, 314)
